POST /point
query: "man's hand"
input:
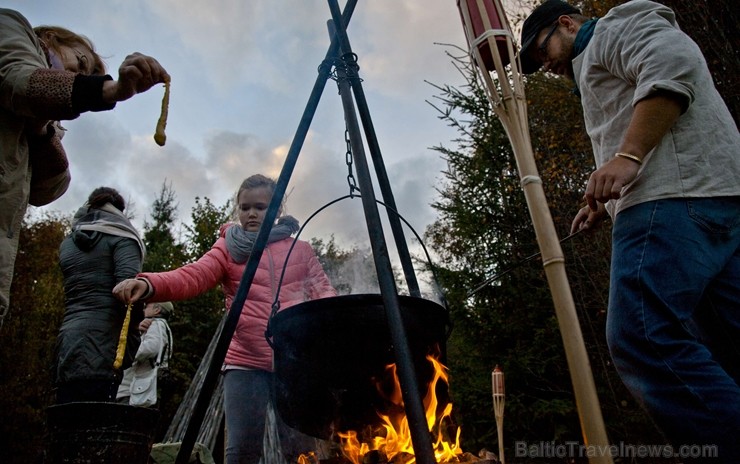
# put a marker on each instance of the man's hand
(606, 183)
(651, 120)
(587, 219)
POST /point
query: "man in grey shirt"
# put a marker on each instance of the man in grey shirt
(668, 172)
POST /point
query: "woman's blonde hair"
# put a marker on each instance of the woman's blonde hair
(56, 36)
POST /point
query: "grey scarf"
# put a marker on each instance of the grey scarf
(239, 242)
(109, 220)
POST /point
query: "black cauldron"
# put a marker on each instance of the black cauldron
(329, 354)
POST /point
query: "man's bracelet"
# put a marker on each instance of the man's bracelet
(629, 157)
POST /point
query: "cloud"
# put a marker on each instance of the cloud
(243, 42)
(398, 42)
(242, 74)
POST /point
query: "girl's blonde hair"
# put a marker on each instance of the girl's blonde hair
(258, 181)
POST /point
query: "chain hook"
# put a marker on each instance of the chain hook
(351, 181)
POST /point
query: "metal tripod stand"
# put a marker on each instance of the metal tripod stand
(350, 85)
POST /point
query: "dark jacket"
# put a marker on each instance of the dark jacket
(93, 263)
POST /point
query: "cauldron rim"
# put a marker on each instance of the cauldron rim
(359, 299)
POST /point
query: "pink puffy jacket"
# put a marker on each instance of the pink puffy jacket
(304, 280)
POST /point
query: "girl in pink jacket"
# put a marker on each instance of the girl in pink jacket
(247, 371)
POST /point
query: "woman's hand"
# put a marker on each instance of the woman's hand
(138, 73)
(131, 290)
(587, 219)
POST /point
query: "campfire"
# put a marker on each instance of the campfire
(391, 441)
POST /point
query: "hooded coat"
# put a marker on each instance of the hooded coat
(92, 263)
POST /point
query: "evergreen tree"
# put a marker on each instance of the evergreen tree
(162, 250)
(206, 222)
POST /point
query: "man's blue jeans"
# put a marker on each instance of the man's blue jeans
(673, 325)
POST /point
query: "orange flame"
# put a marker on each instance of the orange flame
(395, 436)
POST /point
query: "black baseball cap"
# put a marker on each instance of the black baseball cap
(542, 16)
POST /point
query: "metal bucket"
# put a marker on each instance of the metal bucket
(329, 353)
(95, 433)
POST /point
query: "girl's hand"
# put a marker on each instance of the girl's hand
(130, 290)
(587, 219)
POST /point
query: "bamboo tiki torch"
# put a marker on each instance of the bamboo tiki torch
(491, 46)
(499, 398)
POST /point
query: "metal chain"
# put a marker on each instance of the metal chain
(348, 64)
(348, 159)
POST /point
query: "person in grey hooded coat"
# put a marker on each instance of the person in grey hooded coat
(102, 250)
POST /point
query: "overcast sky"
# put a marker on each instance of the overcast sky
(242, 72)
